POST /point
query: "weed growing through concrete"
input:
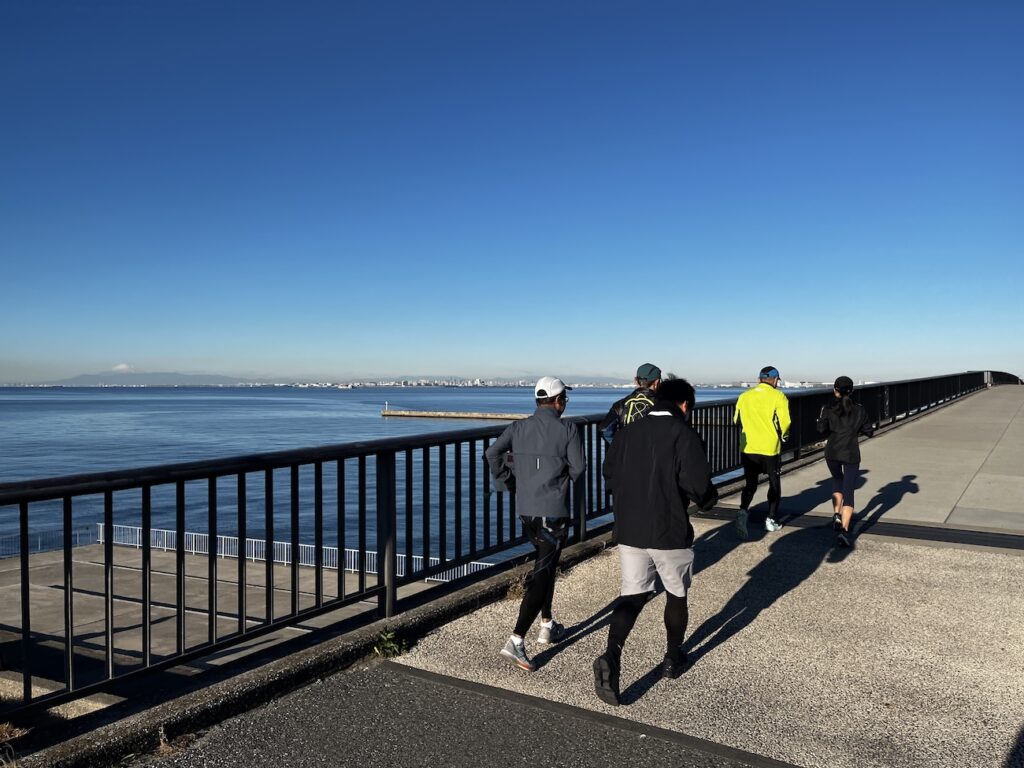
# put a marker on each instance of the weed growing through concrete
(388, 645)
(517, 589)
(9, 733)
(164, 747)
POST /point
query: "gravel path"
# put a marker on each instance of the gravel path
(894, 654)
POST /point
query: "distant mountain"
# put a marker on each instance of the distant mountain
(114, 379)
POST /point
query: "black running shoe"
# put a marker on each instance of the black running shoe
(671, 669)
(606, 680)
(843, 539)
(837, 522)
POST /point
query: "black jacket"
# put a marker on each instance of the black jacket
(654, 469)
(631, 408)
(843, 430)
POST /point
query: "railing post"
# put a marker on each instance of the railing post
(579, 508)
(386, 524)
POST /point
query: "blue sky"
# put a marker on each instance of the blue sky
(354, 189)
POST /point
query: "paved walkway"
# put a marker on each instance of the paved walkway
(895, 654)
(961, 467)
(901, 652)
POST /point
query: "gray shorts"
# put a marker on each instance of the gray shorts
(675, 566)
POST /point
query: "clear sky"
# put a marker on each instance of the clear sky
(360, 189)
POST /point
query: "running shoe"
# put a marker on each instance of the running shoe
(516, 653)
(771, 526)
(606, 680)
(741, 524)
(837, 522)
(552, 634)
(843, 539)
(671, 669)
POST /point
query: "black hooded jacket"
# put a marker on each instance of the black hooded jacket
(654, 468)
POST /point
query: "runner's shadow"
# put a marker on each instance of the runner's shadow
(713, 545)
(887, 497)
(792, 559)
(576, 632)
(1015, 757)
(792, 507)
(640, 686)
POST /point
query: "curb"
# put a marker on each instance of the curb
(146, 731)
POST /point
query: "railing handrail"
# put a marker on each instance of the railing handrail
(114, 480)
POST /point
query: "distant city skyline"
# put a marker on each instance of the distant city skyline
(362, 191)
(122, 378)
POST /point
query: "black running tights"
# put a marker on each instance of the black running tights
(627, 609)
(547, 536)
(753, 465)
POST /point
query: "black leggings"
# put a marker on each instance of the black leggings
(753, 465)
(844, 479)
(548, 536)
(627, 609)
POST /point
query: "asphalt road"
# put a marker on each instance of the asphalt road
(386, 715)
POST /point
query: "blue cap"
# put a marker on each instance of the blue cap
(769, 372)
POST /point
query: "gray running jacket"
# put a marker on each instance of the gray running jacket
(547, 454)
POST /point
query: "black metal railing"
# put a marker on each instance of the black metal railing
(359, 507)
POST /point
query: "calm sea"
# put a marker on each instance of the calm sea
(62, 431)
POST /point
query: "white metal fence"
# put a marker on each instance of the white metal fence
(44, 541)
(256, 550)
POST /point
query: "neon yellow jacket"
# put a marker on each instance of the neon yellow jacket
(763, 414)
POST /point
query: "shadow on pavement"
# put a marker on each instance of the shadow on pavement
(1015, 758)
(792, 559)
(640, 686)
(577, 632)
(820, 493)
(887, 497)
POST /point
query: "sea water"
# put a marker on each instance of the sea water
(50, 432)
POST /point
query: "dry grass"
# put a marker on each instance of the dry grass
(517, 589)
(167, 747)
(10, 732)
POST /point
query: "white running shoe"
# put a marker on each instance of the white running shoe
(771, 526)
(552, 634)
(516, 653)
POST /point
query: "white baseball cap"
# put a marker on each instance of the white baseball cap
(549, 386)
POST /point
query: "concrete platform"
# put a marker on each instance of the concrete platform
(46, 590)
